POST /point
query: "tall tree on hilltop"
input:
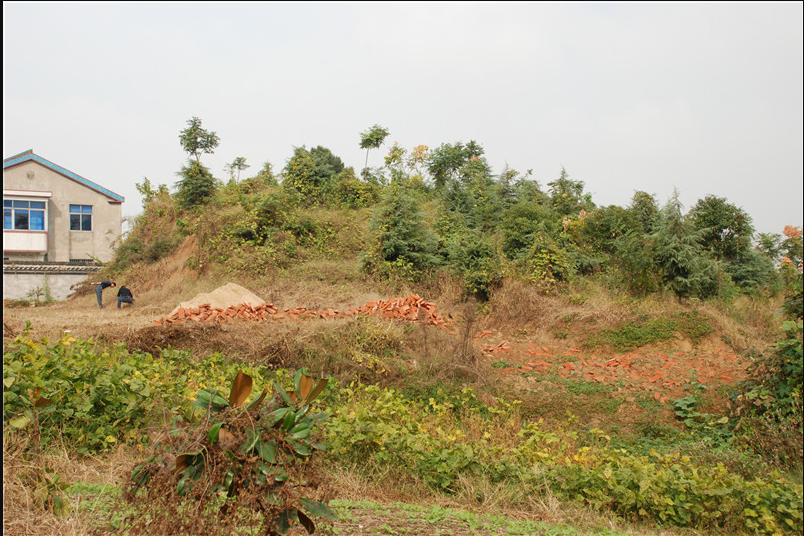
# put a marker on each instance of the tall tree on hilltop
(726, 230)
(684, 269)
(196, 140)
(373, 138)
(237, 165)
(195, 186)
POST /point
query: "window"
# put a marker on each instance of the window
(80, 217)
(19, 215)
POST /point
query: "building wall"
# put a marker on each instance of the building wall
(18, 286)
(64, 244)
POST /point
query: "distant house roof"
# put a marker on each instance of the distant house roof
(30, 156)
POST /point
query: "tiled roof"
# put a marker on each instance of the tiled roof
(29, 155)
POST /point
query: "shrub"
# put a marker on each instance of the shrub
(240, 465)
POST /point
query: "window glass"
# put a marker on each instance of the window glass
(37, 222)
(80, 217)
(24, 215)
(21, 219)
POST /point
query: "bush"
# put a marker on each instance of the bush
(93, 398)
(247, 464)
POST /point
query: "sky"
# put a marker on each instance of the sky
(702, 98)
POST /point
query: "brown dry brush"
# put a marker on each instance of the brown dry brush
(215, 475)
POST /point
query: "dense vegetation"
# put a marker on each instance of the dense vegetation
(422, 217)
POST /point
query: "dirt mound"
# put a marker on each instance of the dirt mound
(223, 297)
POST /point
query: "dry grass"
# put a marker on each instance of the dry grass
(25, 492)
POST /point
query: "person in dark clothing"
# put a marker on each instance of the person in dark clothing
(124, 296)
(99, 286)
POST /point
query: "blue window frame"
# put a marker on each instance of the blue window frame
(22, 215)
(80, 217)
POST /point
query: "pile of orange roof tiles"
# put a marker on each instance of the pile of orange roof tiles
(410, 309)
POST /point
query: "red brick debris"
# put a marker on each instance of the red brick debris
(410, 309)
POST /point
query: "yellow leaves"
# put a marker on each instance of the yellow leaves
(66, 340)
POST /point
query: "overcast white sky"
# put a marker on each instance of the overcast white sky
(704, 97)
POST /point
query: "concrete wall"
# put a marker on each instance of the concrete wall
(64, 244)
(17, 286)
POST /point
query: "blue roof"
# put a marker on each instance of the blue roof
(30, 156)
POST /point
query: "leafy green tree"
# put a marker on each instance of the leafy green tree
(770, 245)
(327, 165)
(373, 138)
(447, 161)
(196, 185)
(644, 207)
(401, 236)
(567, 197)
(348, 191)
(725, 229)
(266, 174)
(474, 258)
(237, 165)
(299, 175)
(196, 140)
(523, 223)
(148, 193)
(684, 269)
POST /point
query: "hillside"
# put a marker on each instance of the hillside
(558, 366)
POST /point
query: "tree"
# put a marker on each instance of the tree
(447, 160)
(401, 236)
(678, 255)
(726, 230)
(299, 174)
(567, 197)
(195, 186)
(196, 140)
(643, 205)
(238, 164)
(373, 138)
(267, 174)
(327, 165)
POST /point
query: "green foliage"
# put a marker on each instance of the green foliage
(196, 185)
(444, 438)
(266, 175)
(750, 270)
(347, 191)
(196, 140)
(373, 138)
(684, 269)
(456, 161)
(149, 194)
(725, 230)
(300, 175)
(547, 262)
(567, 197)
(401, 238)
(244, 459)
(522, 224)
(673, 489)
(775, 387)
(235, 167)
(634, 259)
(641, 333)
(645, 210)
(474, 258)
(97, 397)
